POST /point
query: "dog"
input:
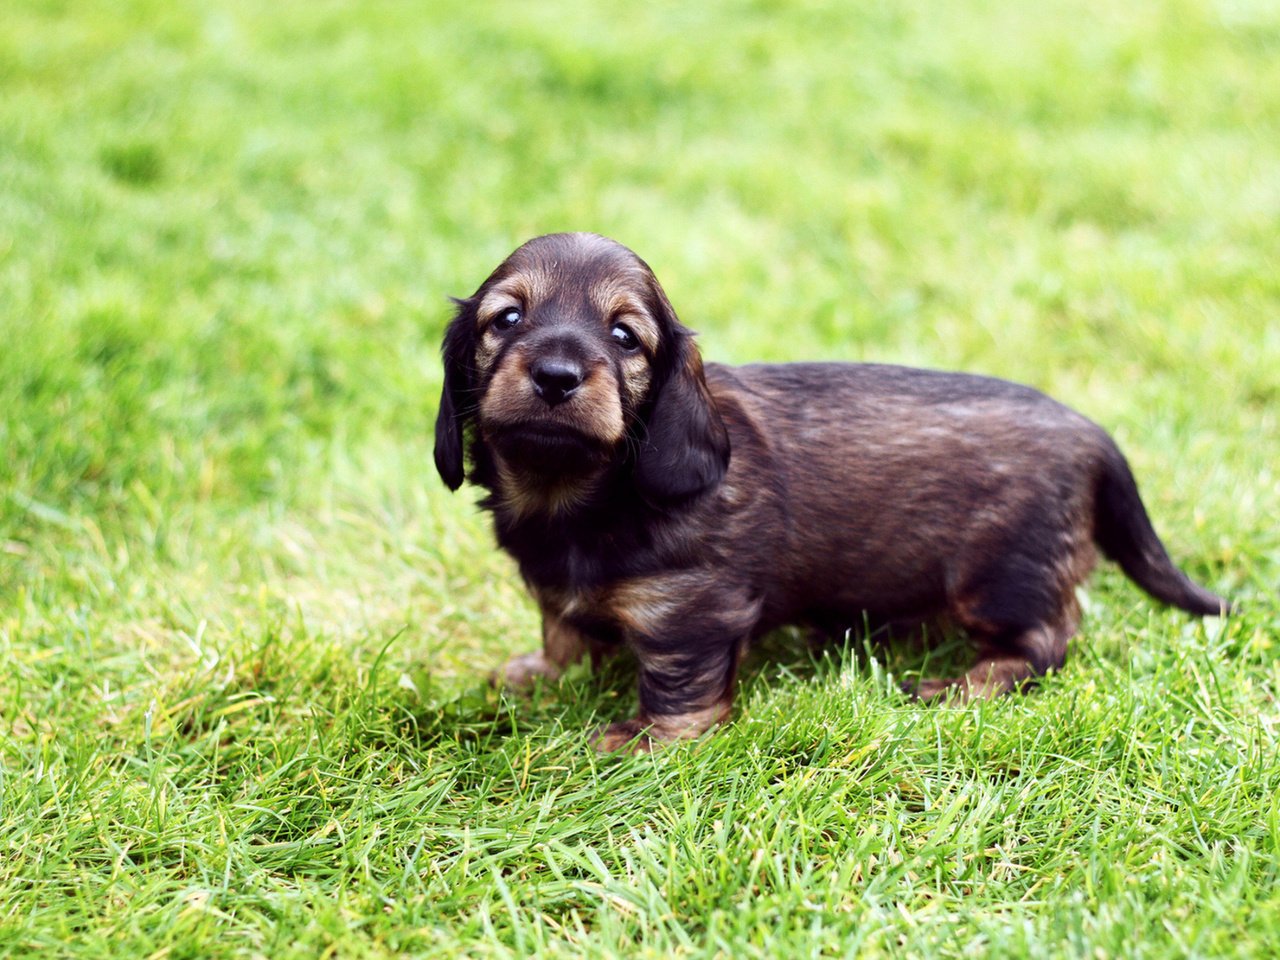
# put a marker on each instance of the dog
(682, 510)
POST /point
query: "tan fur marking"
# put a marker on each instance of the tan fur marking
(603, 407)
(636, 378)
(523, 500)
(522, 671)
(510, 397)
(562, 646)
(685, 726)
(486, 351)
(644, 733)
(562, 643)
(645, 604)
(985, 680)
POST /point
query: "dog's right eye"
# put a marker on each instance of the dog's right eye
(507, 319)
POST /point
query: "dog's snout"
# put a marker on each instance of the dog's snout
(556, 378)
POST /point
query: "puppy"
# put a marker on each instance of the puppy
(682, 511)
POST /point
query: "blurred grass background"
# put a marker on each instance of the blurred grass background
(227, 232)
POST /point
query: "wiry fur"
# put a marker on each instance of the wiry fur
(684, 511)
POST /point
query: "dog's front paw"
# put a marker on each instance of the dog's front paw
(626, 737)
(519, 673)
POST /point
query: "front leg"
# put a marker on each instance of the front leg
(688, 634)
(562, 646)
(681, 697)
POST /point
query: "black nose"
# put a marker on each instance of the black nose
(555, 379)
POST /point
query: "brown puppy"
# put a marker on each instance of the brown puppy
(683, 512)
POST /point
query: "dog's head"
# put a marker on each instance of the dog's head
(570, 361)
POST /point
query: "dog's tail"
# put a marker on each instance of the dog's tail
(1124, 532)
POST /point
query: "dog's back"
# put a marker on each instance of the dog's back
(899, 481)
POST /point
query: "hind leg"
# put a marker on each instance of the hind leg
(1022, 612)
(1018, 601)
(1009, 661)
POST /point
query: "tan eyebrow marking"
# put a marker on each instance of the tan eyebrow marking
(521, 289)
(615, 297)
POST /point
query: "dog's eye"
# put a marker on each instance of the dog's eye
(623, 336)
(508, 318)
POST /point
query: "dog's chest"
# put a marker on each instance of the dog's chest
(579, 555)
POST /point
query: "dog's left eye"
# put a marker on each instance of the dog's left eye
(623, 336)
(507, 318)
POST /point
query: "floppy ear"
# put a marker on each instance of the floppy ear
(456, 403)
(686, 447)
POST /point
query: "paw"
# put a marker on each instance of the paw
(938, 691)
(519, 673)
(626, 737)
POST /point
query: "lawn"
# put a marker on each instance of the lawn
(245, 630)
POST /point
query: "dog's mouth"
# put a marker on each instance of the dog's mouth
(547, 448)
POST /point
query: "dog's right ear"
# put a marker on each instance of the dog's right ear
(457, 402)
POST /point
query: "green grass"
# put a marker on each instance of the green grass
(244, 630)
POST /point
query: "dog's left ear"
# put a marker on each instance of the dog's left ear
(685, 449)
(456, 399)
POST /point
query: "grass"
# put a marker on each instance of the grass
(244, 630)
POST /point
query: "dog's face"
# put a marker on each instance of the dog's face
(569, 361)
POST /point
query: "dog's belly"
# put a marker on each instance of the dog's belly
(856, 595)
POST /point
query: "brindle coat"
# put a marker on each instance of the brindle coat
(683, 511)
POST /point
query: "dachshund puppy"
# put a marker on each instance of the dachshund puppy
(683, 511)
